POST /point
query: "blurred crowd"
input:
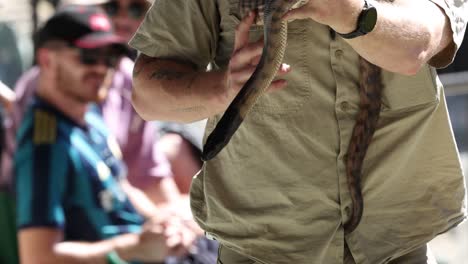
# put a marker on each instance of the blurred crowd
(83, 178)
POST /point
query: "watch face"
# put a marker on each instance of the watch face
(369, 20)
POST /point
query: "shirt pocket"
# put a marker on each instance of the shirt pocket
(407, 93)
(291, 99)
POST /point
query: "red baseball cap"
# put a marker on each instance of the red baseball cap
(82, 26)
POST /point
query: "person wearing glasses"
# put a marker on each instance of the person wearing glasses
(126, 15)
(74, 204)
(178, 141)
(148, 168)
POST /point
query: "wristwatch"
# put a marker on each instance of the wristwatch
(366, 22)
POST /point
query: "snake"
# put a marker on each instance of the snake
(275, 39)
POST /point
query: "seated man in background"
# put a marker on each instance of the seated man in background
(173, 146)
(182, 146)
(148, 169)
(73, 202)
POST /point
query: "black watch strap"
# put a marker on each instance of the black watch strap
(365, 23)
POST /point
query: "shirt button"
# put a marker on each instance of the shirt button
(345, 157)
(339, 54)
(344, 106)
(347, 211)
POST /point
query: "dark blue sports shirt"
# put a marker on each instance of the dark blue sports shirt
(67, 176)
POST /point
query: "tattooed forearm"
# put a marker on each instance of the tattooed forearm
(192, 109)
(175, 86)
(140, 64)
(163, 69)
(168, 74)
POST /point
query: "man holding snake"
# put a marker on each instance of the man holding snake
(278, 192)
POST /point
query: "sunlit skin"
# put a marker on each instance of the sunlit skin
(124, 25)
(67, 83)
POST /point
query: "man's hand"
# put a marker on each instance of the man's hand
(159, 240)
(245, 58)
(341, 15)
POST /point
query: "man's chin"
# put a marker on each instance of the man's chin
(102, 95)
(90, 99)
(96, 99)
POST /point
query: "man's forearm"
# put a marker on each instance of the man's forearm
(407, 35)
(82, 252)
(173, 91)
(40, 246)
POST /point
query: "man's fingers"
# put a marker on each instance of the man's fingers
(255, 60)
(280, 83)
(241, 76)
(242, 30)
(246, 54)
(277, 85)
(174, 241)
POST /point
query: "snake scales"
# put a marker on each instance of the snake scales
(275, 37)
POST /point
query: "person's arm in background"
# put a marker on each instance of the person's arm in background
(155, 194)
(42, 245)
(144, 205)
(148, 169)
(40, 228)
(185, 161)
(408, 34)
(7, 97)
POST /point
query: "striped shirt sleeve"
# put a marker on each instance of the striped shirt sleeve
(41, 170)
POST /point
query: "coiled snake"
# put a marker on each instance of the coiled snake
(275, 36)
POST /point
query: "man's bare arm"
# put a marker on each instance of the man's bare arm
(407, 35)
(171, 90)
(175, 91)
(41, 245)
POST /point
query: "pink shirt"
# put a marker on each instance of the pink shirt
(136, 137)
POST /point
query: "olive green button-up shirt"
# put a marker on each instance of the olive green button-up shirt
(278, 191)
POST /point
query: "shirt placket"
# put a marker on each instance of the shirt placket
(345, 109)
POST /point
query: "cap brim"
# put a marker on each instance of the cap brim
(84, 2)
(98, 40)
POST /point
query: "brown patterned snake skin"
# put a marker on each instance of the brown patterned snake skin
(275, 36)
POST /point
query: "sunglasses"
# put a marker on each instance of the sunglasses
(136, 10)
(106, 56)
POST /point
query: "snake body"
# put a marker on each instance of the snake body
(275, 37)
(370, 93)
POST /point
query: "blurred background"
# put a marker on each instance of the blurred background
(452, 247)
(19, 18)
